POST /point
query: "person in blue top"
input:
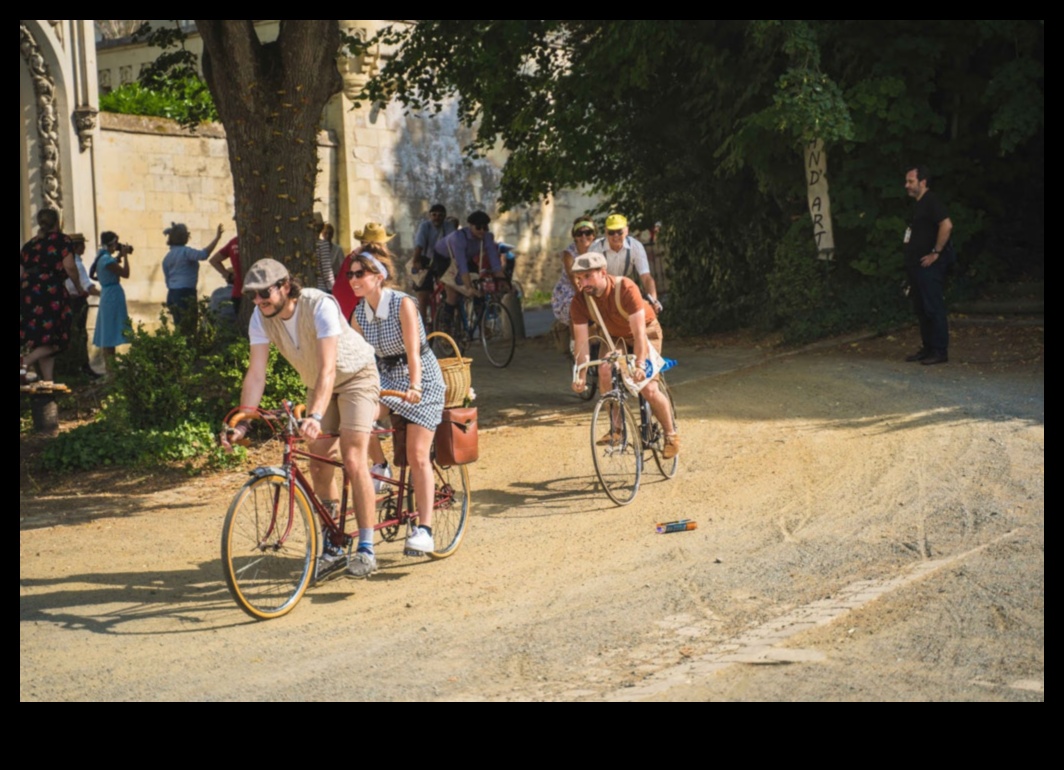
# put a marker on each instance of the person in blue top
(112, 320)
(463, 254)
(181, 269)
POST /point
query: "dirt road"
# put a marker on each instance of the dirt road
(868, 530)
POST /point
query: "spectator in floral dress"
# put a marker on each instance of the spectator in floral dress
(47, 260)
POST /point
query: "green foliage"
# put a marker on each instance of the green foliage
(698, 123)
(171, 391)
(187, 101)
(170, 86)
(111, 443)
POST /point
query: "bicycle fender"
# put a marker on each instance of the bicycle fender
(264, 471)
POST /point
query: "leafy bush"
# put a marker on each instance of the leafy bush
(109, 443)
(171, 392)
(185, 100)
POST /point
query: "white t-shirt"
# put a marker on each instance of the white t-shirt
(327, 322)
(615, 260)
(86, 283)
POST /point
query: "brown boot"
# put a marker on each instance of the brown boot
(611, 438)
(672, 446)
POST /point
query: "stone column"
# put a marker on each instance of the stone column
(365, 141)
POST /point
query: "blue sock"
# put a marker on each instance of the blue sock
(365, 540)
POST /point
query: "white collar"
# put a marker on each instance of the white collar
(383, 307)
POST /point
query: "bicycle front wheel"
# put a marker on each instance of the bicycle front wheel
(449, 323)
(497, 333)
(269, 547)
(617, 449)
(450, 509)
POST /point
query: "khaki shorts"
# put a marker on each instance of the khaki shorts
(354, 404)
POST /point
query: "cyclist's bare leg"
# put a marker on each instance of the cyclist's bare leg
(659, 405)
(424, 304)
(419, 460)
(354, 449)
(418, 457)
(376, 453)
(322, 475)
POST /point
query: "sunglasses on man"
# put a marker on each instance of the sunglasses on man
(264, 293)
(614, 233)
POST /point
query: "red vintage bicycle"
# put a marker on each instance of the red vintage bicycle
(276, 526)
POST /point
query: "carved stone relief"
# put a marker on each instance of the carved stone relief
(47, 119)
(85, 120)
(57, 27)
(357, 70)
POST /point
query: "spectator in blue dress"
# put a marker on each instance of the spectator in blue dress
(112, 319)
(181, 270)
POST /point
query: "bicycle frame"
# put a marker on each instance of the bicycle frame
(290, 469)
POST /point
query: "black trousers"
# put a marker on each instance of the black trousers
(928, 295)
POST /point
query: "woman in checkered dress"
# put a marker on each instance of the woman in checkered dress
(391, 323)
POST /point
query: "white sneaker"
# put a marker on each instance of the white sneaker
(420, 541)
(381, 469)
(361, 565)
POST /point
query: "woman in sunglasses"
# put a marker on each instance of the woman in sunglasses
(583, 236)
(391, 323)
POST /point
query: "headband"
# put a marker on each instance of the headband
(377, 264)
(581, 225)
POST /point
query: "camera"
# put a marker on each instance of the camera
(125, 247)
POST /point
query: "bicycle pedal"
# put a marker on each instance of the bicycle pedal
(411, 553)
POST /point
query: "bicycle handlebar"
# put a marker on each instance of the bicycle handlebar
(296, 413)
(611, 359)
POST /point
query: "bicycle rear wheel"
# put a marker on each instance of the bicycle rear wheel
(668, 468)
(268, 555)
(619, 460)
(497, 333)
(450, 509)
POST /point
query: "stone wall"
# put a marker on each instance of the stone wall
(150, 173)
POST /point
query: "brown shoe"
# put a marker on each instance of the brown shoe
(672, 446)
(611, 438)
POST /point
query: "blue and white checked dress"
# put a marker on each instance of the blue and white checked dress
(384, 333)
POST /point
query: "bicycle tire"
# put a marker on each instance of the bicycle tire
(591, 377)
(497, 334)
(668, 468)
(454, 328)
(268, 556)
(619, 464)
(450, 508)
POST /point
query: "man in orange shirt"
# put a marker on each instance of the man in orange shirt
(626, 317)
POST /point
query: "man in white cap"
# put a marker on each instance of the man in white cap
(339, 369)
(625, 254)
(616, 305)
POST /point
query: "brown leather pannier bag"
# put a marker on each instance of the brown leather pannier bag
(456, 437)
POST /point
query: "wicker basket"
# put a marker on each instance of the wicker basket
(456, 374)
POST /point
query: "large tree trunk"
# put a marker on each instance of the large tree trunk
(270, 99)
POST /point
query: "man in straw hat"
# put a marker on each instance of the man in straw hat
(339, 369)
(616, 305)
